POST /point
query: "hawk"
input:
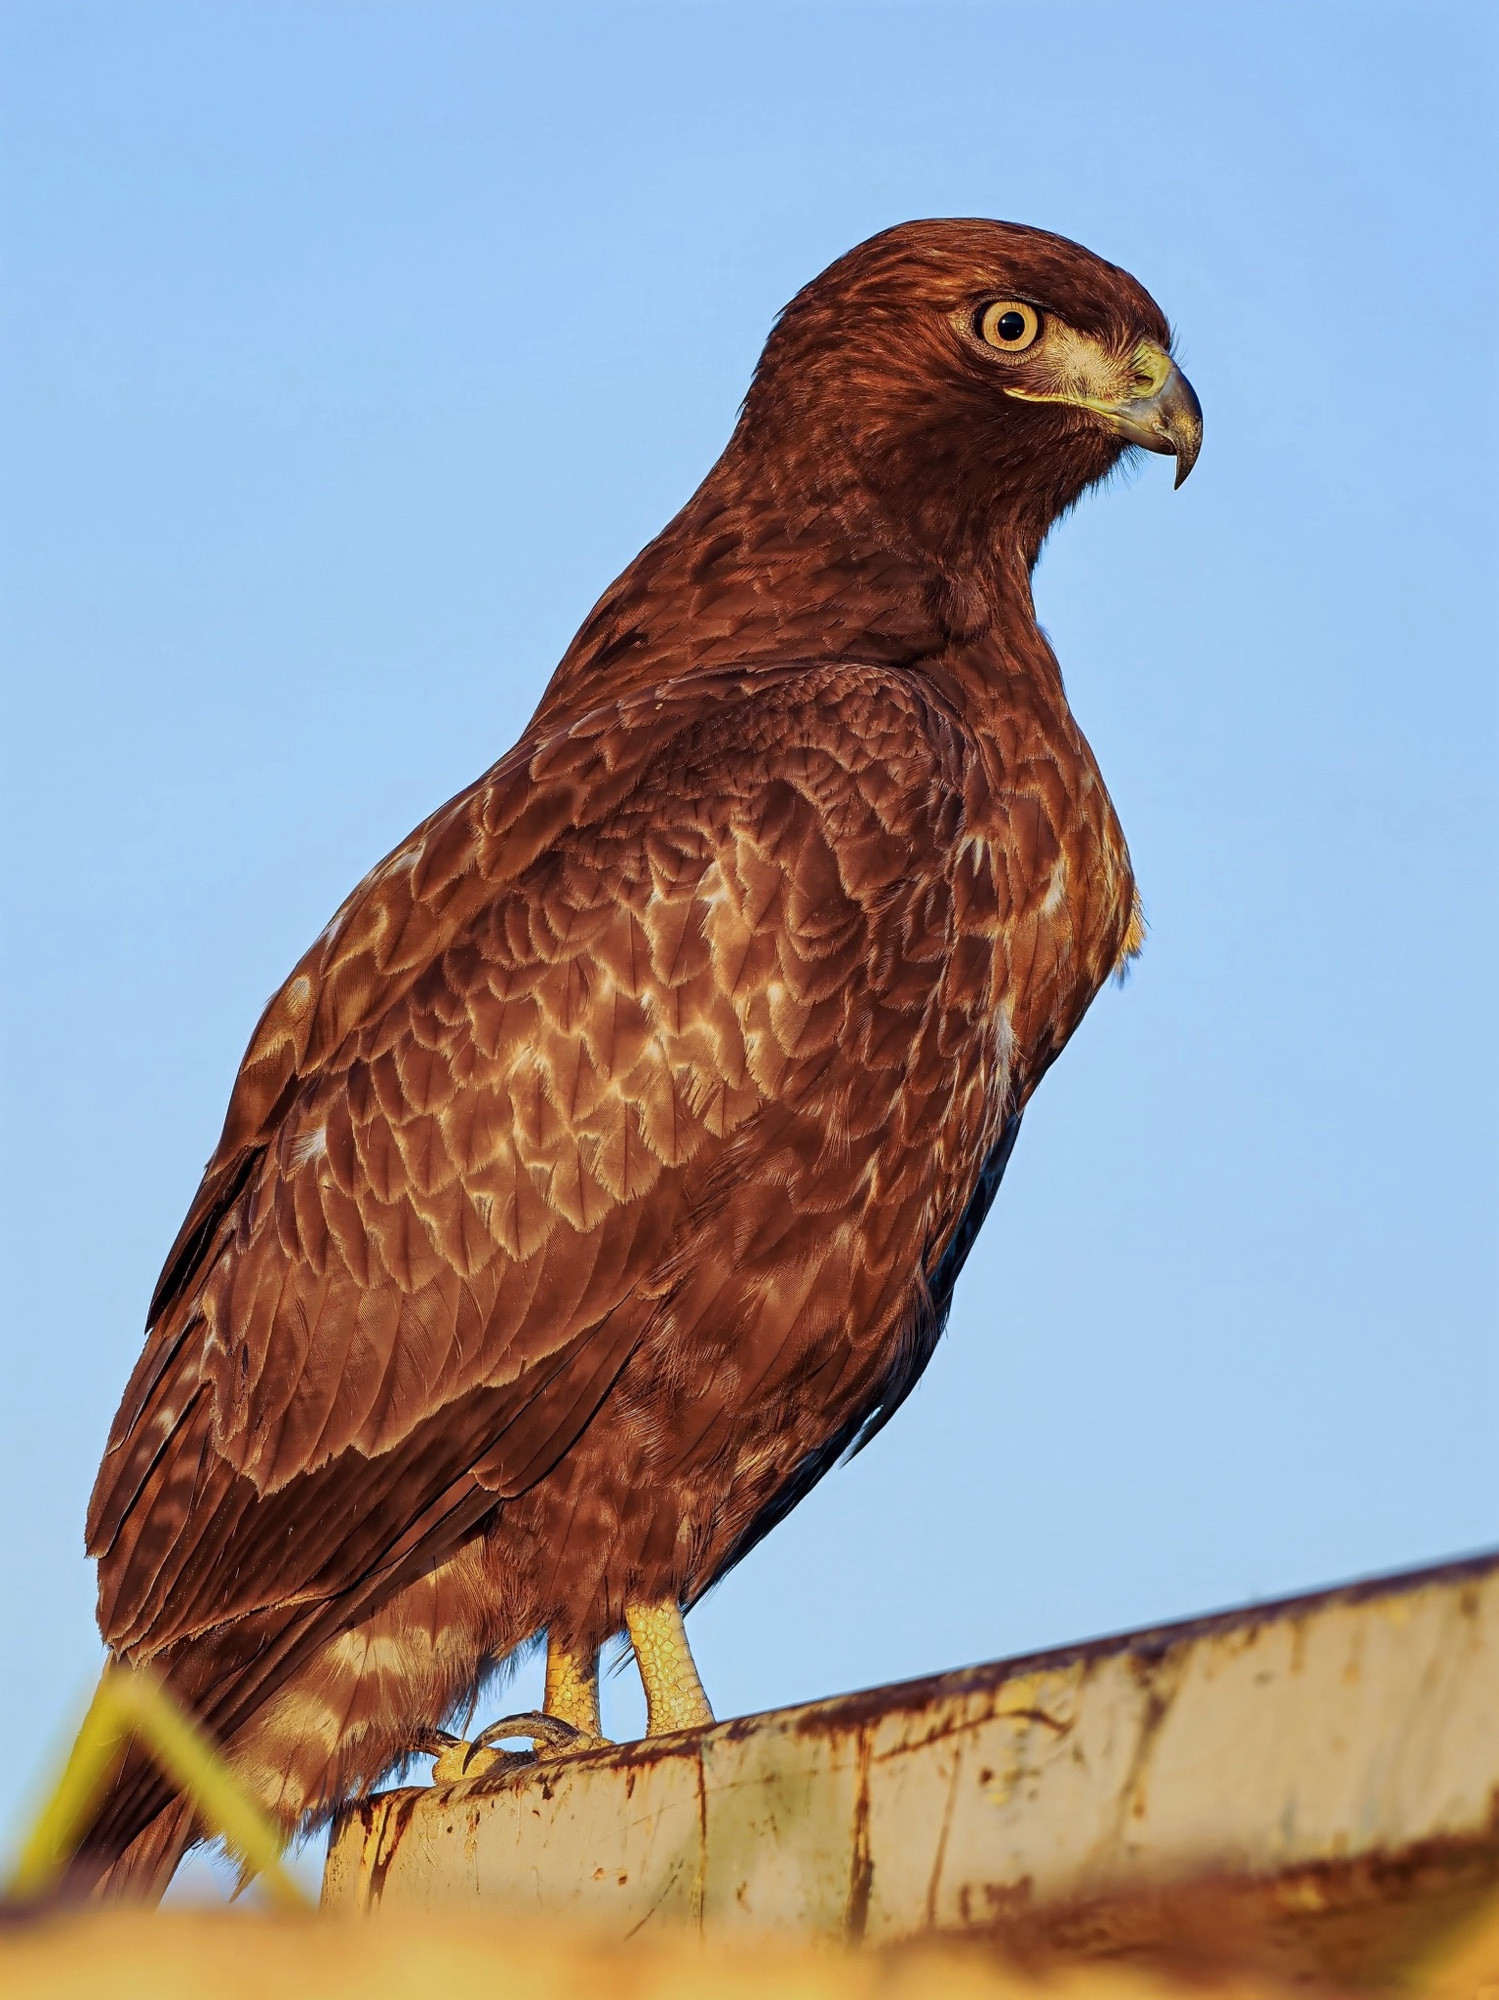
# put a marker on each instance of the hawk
(602, 1174)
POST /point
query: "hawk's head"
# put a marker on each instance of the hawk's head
(980, 375)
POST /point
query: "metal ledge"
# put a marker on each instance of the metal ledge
(1321, 1773)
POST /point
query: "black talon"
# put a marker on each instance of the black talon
(433, 1742)
(550, 1730)
(453, 1758)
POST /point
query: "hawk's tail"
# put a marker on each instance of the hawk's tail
(141, 1873)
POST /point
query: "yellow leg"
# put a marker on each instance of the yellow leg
(674, 1697)
(572, 1693)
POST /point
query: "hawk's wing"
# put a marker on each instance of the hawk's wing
(601, 1033)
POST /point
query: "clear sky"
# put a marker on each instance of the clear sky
(348, 352)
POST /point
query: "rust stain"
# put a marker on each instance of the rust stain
(399, 1807)
(939, 1731)
(1004, 1902)
(1035, 1715)
(700, 1872)
(861, 1863)
(1165, 1667)
(1298, 1644)
(934, 1880)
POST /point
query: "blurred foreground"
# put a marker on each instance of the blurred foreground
(1291, 1798)
(227, 1956)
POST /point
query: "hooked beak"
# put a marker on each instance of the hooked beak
(1161, 413)
(1168, 417)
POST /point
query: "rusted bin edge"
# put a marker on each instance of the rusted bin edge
(1324, 1769)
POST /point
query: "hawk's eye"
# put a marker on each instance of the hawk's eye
(1008, 324)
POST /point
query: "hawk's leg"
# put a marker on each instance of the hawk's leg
(572, 1689)
(674, 1697)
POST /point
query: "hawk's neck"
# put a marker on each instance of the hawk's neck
(748, 574)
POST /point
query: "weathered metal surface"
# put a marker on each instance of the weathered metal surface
(1324, 1769)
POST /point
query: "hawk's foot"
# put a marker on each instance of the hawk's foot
(550, 1736)
(569, 1722)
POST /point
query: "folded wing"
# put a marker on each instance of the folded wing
(702, 939)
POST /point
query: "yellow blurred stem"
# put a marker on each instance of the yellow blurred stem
(129, 1702)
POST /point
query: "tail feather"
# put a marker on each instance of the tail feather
(141, 1873)
(306, 1718)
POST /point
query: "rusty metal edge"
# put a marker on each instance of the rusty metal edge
(862, 1706)
(1150, 1642)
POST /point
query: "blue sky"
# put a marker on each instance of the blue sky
(347, 352)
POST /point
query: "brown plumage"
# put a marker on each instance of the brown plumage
(603, 1171)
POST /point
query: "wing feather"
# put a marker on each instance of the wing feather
(478, 1131)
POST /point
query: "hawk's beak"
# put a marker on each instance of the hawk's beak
(1166, 417)
(1161, 411)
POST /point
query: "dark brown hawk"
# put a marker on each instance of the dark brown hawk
(603, 1172)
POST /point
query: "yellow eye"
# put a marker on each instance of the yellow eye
(1009, 324)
